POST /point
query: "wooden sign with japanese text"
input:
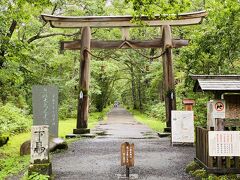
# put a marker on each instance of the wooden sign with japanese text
(40, 144)
(127, 154)
(224, 143)
(45, 107)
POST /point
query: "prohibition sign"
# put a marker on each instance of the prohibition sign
(219, 106)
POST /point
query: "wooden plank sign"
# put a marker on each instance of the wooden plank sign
(127, 154)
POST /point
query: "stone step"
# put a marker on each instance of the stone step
(164, 134)
(88, 135)
(167, 129)
(68, 136)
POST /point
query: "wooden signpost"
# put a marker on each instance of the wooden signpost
(127, 156)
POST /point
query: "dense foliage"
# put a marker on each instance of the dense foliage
(29, 54)
(13, 120)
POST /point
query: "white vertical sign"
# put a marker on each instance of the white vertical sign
(215, 109)
(182, 126)
(39, 144)
(224, 143)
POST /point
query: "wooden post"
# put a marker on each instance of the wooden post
(168, 76)
(83, 102)
(125, 34)
(188, 104)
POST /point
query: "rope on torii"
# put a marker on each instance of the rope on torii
(129, 44)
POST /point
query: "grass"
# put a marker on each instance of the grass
(10, 160)
(66, 126)
(152, 123)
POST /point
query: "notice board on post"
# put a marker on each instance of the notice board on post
(182, 127)
(224, 143)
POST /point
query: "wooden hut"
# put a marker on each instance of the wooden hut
(226, 88)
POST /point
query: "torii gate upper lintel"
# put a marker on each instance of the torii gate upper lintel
(85, 43)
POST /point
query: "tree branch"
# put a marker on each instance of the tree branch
(12, 28)
(9, 35)
(38, 36)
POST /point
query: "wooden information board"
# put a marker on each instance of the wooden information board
(182, 127)
(224, 143)
(127, 154)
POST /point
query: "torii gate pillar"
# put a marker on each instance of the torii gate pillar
(84, 78)
(168, 76)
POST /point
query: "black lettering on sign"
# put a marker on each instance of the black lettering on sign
(39, 148)
(127, 154)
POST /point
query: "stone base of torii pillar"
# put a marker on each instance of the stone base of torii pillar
(81, 131)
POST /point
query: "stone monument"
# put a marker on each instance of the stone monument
(45, 107)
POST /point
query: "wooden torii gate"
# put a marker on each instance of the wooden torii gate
(85, 44)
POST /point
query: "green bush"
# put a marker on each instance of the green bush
(36, 176)
(156, 111)
(13, 120)
(193, 166)
(199, 174)
(3, 139)
(67, 110)
(12, 165)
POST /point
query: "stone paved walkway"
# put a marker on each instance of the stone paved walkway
(99, 158)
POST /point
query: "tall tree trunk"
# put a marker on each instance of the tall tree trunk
(133, 88)
(140, 95)
(161, 91)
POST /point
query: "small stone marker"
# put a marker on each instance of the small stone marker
(39, 161)
(39, 144)
(45, 107)
(127, 156)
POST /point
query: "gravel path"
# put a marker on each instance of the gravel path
(99, 158)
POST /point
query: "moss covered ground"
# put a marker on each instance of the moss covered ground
(196, 171)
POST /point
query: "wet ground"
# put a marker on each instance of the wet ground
(99, 158)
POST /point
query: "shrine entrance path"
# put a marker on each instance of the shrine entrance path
(99, 158)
